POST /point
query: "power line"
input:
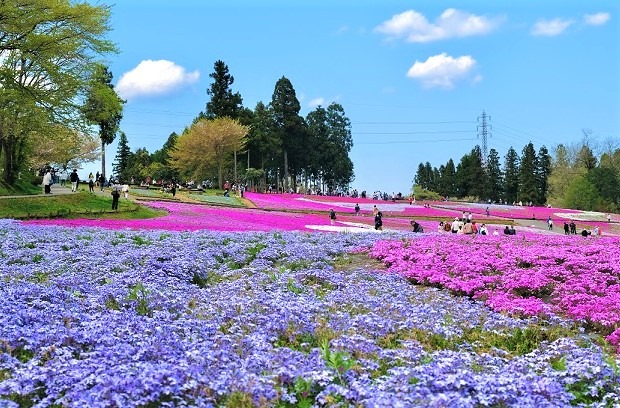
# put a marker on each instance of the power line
(413, 141)
(412, 133)
(412, 123)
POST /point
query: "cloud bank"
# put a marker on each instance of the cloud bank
(415, 27)
(154, 78)
(443, 70)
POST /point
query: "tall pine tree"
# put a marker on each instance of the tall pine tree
(494, 177)
(291, 129)
(511, 176)
(223, 102)
(528, 183)
(123, 157)
(543, 171)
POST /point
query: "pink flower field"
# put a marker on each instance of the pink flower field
(571, 276)
(191, 217)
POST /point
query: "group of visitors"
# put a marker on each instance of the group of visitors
(571, 229)
(465, 225)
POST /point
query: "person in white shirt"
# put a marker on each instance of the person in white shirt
(47, 182)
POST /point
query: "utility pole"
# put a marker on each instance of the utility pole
(483, 133)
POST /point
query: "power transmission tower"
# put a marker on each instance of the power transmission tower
(483, 132)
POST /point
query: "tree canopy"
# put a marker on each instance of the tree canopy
(47, 49)
(207, 143)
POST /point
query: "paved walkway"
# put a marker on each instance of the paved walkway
(57, 189)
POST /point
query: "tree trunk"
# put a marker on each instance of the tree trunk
(8, 174)
(102, 158)
(285, 170)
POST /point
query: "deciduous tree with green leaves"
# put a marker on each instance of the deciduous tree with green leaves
(47, 48)
(207, 141)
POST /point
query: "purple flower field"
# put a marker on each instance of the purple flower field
(100, 317)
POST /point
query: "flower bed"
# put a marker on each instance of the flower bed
(192, 217)
(95, 317)
(539, 275)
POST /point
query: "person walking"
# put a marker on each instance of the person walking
(91, 184)
(75, 179)
(47, 182)
(332, 216)
(101, 181)
(115, 195)
(125, 190)
(379, 221)
(357, 209)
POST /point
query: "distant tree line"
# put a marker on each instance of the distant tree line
(573, 177)
(270, 145)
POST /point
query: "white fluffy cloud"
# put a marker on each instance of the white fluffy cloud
(154, 78)
(415, 27)
(596, 19)
(551, 28)
(443, 70)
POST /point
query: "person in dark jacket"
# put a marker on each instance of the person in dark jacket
(379, 221)
(416, 227)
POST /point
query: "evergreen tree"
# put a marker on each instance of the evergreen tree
(528, 183)
(494, 177)
(543, 171)
(340, 171)
(470, 178)
(223, 102)
(264, 145)
(420, 178)
(436, 178)
(511, 175)
(123, 156)
(449, 180)
(103, 107)
(291, 129)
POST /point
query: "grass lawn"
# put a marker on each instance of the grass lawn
(79, 205)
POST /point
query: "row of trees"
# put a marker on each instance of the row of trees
(573, 177)
(50, 84)
(272, 144)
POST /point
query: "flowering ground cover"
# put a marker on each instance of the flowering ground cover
(512, 211)
(192, 217)
(571, 276)
(96, 317)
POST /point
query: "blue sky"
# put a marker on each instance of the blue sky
(413, 76)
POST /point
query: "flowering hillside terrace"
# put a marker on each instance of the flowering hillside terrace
(93, 317)
(570, 276)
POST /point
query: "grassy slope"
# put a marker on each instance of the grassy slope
(79, 205)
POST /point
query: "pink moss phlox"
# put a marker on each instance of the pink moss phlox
(188, 217)
(528, 275)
